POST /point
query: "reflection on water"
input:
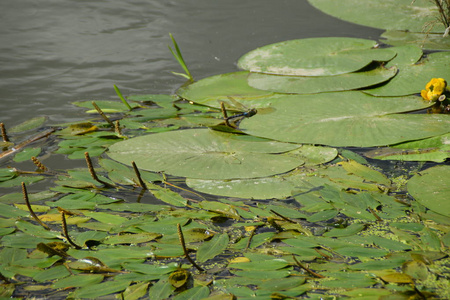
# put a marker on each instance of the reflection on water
(54, 52)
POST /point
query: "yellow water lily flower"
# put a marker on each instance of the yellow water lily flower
(434, 89)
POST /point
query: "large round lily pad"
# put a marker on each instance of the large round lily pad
(318, 84)
(346, 119)
(206, 154)
(412, 78)
(211, 90)
(431, 188)
(385, 14)
(314, 57)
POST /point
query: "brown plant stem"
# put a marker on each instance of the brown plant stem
(283, 217)
(225, 114)
(138, 175)
(102, 114)
(65, 232)
(252, 233)
(92, 171)
(117, 127)
(27, 201)
(4, 135)
(26, 142)
(39, 164)
(375, 215)
(183, 245)
(311, 272)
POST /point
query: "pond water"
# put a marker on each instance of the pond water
(53, 53)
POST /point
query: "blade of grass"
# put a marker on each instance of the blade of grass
(179, 57)
(119, 93)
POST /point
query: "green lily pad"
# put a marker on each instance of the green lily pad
(219, 87)
(106, 106)
(346, 119)
(435, 149)
(319, 84)
(202, 153)
(411, 79)
(406, 55)
(428, 41)
(431, 189)
(384, 14)
(28, 125)
(314, 57)
(26, 154)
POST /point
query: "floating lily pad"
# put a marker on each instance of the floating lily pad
(314, 57)
(384, 14)
(428, 41)
(106, 106)
(277, 186)
(435, 149)
(219, 87)
(202, 153)
(431, 189)
(319, 84)
(346, 119)
(27, 125)
(411, 79)
(406, 55)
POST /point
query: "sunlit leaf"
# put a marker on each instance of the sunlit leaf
(320, 84)
(106, 106)
(314, 57)
(386, 14)
(28, 125)
(429, 41)
(101, 289)
(201, 153)
(431, 189)
(354, 120)
(212, 248)
(413, 78)
(220, 87)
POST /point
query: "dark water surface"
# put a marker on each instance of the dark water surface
(53, 52)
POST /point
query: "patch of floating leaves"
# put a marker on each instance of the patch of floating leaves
(326, 222)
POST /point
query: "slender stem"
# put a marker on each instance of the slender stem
(283, 217)
(27, 201)
(375, 215)
(92, 170)
(26, 142)
(65, 232)
(314, 274)
(252, 233)
(102, 114)
(225, 114)
(4, 135)
(138, 175)
(117, 127)
(183, 245)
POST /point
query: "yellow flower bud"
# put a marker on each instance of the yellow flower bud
(434, 89)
